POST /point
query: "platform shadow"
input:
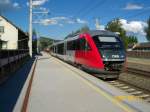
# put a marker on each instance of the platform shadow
(10, 90)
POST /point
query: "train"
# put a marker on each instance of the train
(99, 52)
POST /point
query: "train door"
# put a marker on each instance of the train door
(65, 51)
(80, 51)
(70, 54)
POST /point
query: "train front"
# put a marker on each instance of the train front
(112, 52)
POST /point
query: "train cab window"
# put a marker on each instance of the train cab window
(108, 42)
(82, 44)
(87, 46)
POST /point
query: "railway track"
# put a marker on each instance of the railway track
(134, 88)
(138, 92)
(138, 72)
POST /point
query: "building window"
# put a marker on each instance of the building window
(3, 44)
(1, 29)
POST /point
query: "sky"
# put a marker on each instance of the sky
(61, 17)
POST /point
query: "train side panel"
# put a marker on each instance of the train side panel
(90, 56)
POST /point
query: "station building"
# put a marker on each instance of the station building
(142, 47)
(11, 36)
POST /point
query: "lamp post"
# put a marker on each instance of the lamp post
(30, 28)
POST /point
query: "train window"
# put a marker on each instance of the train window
(71, 45)
(77, 44)
(54, 49)
(60, 48)
(87, 46)
(81, 44)
(107, 39)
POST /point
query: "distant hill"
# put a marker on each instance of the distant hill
(44, 42)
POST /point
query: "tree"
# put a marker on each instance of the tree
(115, 26)
(45, 42)
(147, 30)
(84, 29)
(132, 39)
(81, 30)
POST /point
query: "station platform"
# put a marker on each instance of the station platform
(60, 87)
(139, 63)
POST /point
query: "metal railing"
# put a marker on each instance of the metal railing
(139, 54)
(9, 56)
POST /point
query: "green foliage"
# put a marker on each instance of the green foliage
(147, 30)
(132, 39)
(115, 26)
(81, 30)
(44, 42)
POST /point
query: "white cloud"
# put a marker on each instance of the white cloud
(49, 21)
(39, 2)
(131, 6)
(27, 3)
(60, 18)
(7, 5)
(5, 2)
(43, 9)
(60, 21)
(78, 20)
(16, 5)
(136, 27)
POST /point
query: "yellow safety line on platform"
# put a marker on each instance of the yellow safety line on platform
(98, 90)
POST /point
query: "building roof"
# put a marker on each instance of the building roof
(143, 45)
(12, 24)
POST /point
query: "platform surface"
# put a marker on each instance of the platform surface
(57, 88)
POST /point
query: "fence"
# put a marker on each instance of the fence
(10, 60)
(139, 54)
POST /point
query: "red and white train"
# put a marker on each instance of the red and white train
(98, 51)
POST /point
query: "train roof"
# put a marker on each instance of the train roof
(101, 32)
(91, 32)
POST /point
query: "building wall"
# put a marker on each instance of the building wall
(10, 34)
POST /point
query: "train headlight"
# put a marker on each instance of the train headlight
(104, 56)
(122, 56)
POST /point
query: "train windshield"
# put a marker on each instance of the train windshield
(110, 47)
(108, 42)
(107, 39)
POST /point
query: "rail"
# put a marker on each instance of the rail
(138, 72)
